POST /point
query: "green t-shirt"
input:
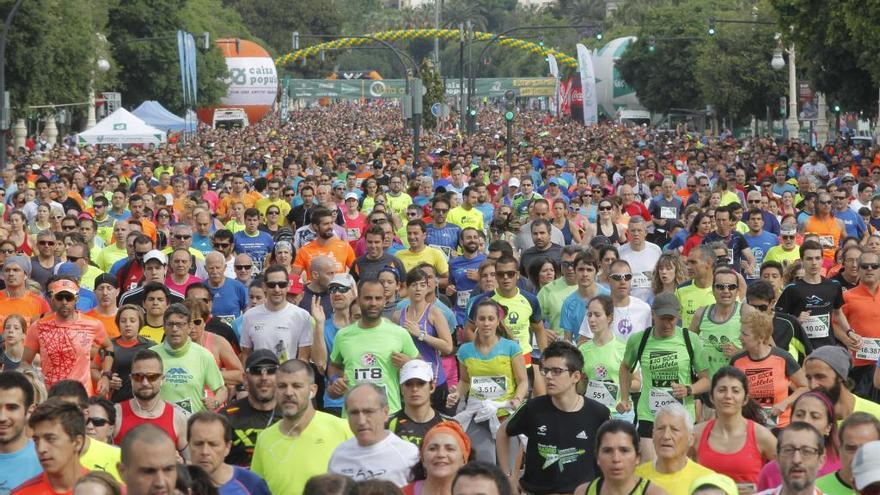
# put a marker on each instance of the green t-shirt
(714, 335)
(664, 362)
(187, 374)
(602, 367)
(365, 354)
(691, 299)
(551, 297)
(777, 253)
(310, 452)
(830, 484)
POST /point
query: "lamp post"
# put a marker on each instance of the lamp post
(4, 112)
(777, 63)
(91, 119)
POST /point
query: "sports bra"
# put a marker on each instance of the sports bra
(614, 237)
(596, 487)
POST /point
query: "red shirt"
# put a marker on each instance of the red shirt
(39, 485)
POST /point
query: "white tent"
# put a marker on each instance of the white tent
(121, 127)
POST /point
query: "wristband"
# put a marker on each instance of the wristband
(107, 374)
(689, 390)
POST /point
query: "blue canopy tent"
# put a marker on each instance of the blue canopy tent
(154, 114)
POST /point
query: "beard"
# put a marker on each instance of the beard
(835, 390)
(145, 394)
(328, 234)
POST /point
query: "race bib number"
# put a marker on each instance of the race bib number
(816, 326)
(826, 241)
(668, 213)
(368, 374)
(228, 319)
(641, 280)
(445, 249)
(186, 405)
(869, 350)
(462, 297)
(353, 233)
(747, 488)
(603, 392)
(658, 398)
(768, 415)
(489, 387)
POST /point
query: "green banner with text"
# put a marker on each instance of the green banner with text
(396, 88)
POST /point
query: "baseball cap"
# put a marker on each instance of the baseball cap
(599, 241)
(513, 182)
(835, 357)
(343, 279)
(720, 481)
(68, 268)
(866, 465)
(106, 278)
(666, 304)
(261, 356)
(350, 195)
(788, 232)
(416, 369)
(64, 285)
(553, 181)
(157, 255)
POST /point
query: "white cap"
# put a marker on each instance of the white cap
(788, 232)
(350, 195)
(513, 182)
(157, 255)
(343, 279)
(866, 465)
(416, 369)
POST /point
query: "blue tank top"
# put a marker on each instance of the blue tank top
(426, 352)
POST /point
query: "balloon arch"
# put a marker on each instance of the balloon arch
(411, 34)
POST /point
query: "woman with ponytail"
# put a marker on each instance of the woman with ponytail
(735, 443)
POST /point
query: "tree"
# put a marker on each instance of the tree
(48, 61)
(435, 91)
(150, 70)
(275, 20)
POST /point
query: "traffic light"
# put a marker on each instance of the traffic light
(599, 36)
(472, 112)
(836, 108)
(783, 107)
(652, 44)
(712, 30)
(509, 105)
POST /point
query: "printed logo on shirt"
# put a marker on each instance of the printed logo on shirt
(664, 368)
(624, 327)
(582, 435)
(542, 430)
(178, 376)
(552, 455)
(761, 385)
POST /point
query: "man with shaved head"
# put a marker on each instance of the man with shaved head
(230, 296)
(323, 269)
(148, 462)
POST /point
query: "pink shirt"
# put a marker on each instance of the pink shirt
(181, 287)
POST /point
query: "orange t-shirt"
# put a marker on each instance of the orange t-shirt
(149, 229)
(66, 347)
(829, 231)
(862, 311)
(108, 321)
(249, 199)
(30, 305)
(336, 249)
(769, 378)
(39, 485)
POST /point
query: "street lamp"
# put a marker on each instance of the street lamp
(778, 63)
(103, 65)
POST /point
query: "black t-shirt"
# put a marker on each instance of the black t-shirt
(817, 299)
(122, 357)
(406, 428)
(246, 423)
(560, 453)
(846, 285)
(787, 328)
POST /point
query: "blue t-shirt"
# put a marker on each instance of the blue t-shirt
(244, 482)
(330, 332)
(18, 467)
(444, 239)
(458, 268)
(855, 224)
(759, 245)
(574, 310)
(202, 243)
(230, 299)
(87, 300)
(257, 247)
(114, 269)
(488, 212)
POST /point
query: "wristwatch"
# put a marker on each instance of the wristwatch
(107, 374)
(422, 335)
(689, 391)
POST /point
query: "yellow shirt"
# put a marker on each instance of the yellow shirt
(864, 405)
(728, 197)
(101, 457)
(193, 251)
(265, 203)
(398, 203)
(156, 334)
(432, 256)
(465, 218)
(310, 452)
(676, 483)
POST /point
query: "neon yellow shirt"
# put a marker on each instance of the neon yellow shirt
(398, 203)
(310, 452)
(101, 456)
(465, 218)
(676, 483)
(432, 256)
(779, 254)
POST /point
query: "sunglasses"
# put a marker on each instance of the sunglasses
(182, 237)
(730, 287)
(46, 243)
(618, 277)
(7, 251)
(440, 210)
(74, 259)
(64, 296)
(277, 285)
(243, 267)
(273, 212)
(869, 266)
(222, 245)
(259, 370)
(338, 289)
(828, 202)
(98, 422)
(604, 208)
(505, 274)
(760, 307)
(151, 377)
(788, 237)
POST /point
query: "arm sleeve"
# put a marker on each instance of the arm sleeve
(518, 422)
(305, 335)
(31, 338)
(838, 298)
(536, 308)
(632, 346)
(245, 338)
(442, 265)
(791, 366)
(300, 260)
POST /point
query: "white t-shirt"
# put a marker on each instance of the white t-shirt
(391, 459)
(282, 331)
(628, 320)
(642, 264)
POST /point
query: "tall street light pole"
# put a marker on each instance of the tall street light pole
(4, 112)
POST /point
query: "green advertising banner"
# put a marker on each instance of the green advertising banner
(396, 88)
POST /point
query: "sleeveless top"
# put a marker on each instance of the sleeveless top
(208, 343)
(714, 334)
(566, 232)
(743, 466)
(426, 352)
(640, 489)
(614, 237)
(129, 420)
